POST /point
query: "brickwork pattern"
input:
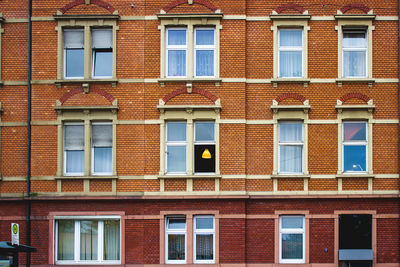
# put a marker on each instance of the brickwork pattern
(203, 184)
(259, 185)
(133, 185)
(385, 184)
(322, 184)
(12, 187)
(72, 186)
(174, 184)
(322, 236)
(260, 237)
(354, 184)
(290, 184)
(232, 185)
(100, 185)
(43, 186)
(388, 244)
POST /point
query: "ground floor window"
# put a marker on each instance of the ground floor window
(88, 240)
(291, 239)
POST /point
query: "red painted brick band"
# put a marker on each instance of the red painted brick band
(355, 95)
(99, 3)
(290, 95)
(183, 90)
(359, 6)
(295, 7)
(200, 2)
(78, 90)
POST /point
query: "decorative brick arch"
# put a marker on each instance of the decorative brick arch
(183, 90)
(180, 2)
(295, 7)
(359, 6)
(290, 95)
(78, 90)
(99, 3)
(360, 96)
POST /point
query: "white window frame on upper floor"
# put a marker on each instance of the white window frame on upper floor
(204, 48)
(290, 49)
(298, 143)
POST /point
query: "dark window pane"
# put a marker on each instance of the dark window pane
(176, 247)
(204, 164)
(74, 62)
(355, 231)
(292, 246)
(355, 158)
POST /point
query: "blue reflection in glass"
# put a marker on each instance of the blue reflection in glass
(355, 158)
(74, 62)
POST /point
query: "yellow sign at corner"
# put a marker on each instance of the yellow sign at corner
(15, 233)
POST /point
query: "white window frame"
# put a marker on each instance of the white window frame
(93, 55)
(100, 242)
(175, 143)
(356, 143)
(176, 48)
(175, 231)
(292, 231)
(202, 143)
(203, 231)
(206, 48)
(92, 150)
(65, 151)
(291, 49)
(300, 143)
(65, 53)
(355, 49)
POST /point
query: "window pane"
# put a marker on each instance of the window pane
(355, 231)
(204, 63)
(354, 63)
(111, 240)
(204, 131)
(73, 137)
(176, 223)
(290, 132)
(75, 161)
(290, 222)
(65, 244)
(103, 63)
(204, 247)
(354, 39)
(176, 37)
(176, 131)
(292, 246)
(176, 63)
(290, 64)
(103, 160)
(73, 38)
(355, 158)
(176, 247)
(291, 37)
(101, 135)
(204, 223)
(89, 237)
(74, 62)
(102, 38)
(355, 131)
(176, 158)
(204, 164)
(291, 158)
(204, 37)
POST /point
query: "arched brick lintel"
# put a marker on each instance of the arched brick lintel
(79, 90)
(183, 90)
(359, 6)
(99, 3)
(295, 7)
(290, 95)
(200, 2)
(355, 95)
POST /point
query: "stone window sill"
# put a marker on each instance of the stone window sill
(162, 81)
(197, 176)
(86, 177)
(276, 81)
(369, 81)
(85, 82)
(289, 176)
(355, 175)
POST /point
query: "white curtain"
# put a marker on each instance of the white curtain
(65, 244)
(204, 247)
(89, 239)
(290, 54)
(291, 147)
(204, 62)
(111, 240)
(176, 247)
(74, 147)
(102, 144)
(290, 132)
(177, 63)
(354, 63)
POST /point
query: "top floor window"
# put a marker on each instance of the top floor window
(354, 49)
(290, 53)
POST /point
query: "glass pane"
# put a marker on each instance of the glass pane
(290, 64)
(204, 164)
(103, 63)
(176, 37)
(89, 240)
(291, 132)
(102, 38)
(176, 223)
(354, 63)
(101, 135)
(204, 247)
(176, 63)
(176, 158)
(103, 160)
(204, 223)
(75, 161)
(111, 240)
(355, 131)
(176, 131)
(355, 158)
(73, 39)
(73, 137)
(355, 231)
(204, 131)
(291, 37)
(292, 246)
(65, 244)
(74, 62)
(176, 247)
(291, 159)
(205, 63)
(292, 222)
(354, 39)
(204, 37)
